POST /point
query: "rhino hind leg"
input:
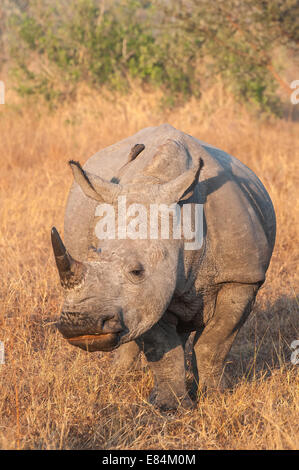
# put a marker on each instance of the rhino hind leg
(234, 304)
(164, 352)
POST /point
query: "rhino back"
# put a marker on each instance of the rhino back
(240, 218)
(239, 214)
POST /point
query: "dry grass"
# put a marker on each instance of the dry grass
(54, 396)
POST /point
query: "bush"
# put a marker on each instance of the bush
(63, 43)
(175, 45)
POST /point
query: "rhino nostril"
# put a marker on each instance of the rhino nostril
(110, 323)
(75, 323)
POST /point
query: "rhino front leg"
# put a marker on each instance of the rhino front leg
(233, 305)
(125, 357)
(164, 352)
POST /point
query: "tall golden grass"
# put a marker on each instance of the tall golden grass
(54, 396)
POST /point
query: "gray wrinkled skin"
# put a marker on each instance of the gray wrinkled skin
(210, 291)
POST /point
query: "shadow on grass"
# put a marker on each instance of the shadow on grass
(263, 344)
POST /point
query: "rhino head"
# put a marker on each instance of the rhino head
(129, 284)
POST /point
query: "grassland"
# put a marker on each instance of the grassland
(54, 396)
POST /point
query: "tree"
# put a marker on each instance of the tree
(173, 44)
(240, 36)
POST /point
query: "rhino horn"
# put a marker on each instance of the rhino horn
(180, 187)
(94, 186)
(71, 272)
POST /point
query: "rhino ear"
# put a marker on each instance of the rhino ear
(181, 187)
(94, 186)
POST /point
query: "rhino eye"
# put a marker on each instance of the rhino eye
(136, 273)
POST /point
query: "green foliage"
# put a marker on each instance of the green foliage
(240, 38)
(66, 43)
(175, 45)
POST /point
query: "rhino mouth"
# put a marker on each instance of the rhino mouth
(94, 338)
(95, 342)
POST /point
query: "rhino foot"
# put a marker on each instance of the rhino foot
(168, 401)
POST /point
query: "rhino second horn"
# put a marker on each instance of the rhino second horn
(71, 272)
(135, 151)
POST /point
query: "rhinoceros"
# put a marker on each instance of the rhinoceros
(151, 294)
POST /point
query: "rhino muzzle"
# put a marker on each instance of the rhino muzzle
(90, 333)
(98, 342)
(91, 339)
